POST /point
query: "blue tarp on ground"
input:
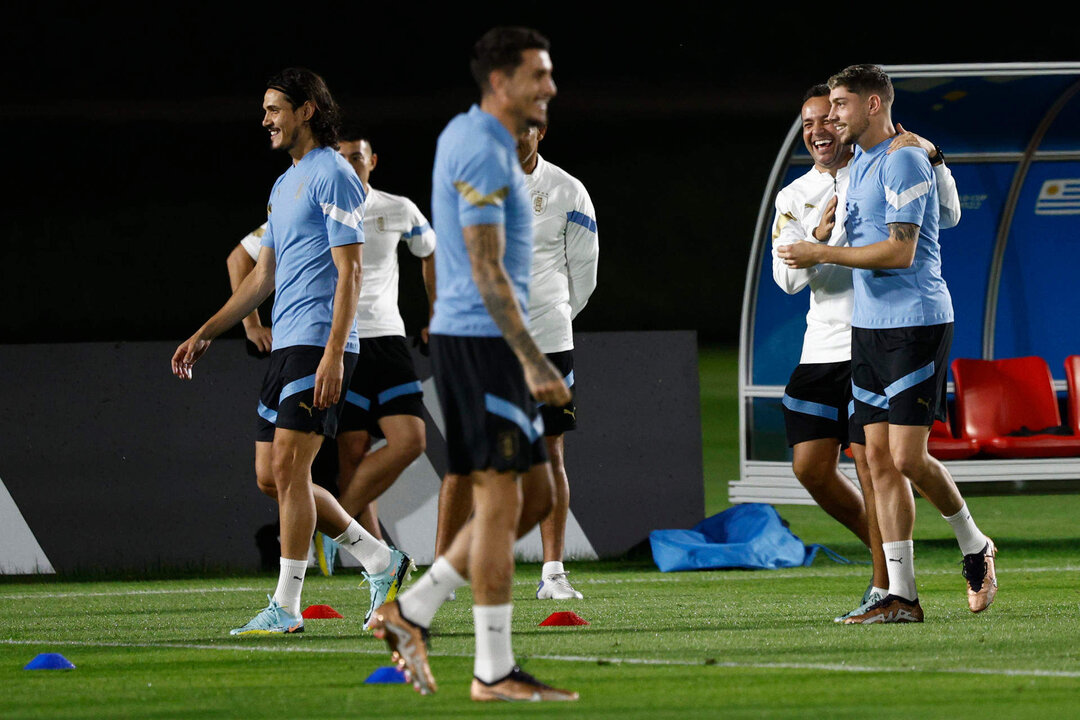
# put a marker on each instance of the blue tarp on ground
(750, 536)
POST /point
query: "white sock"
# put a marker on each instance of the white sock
(371, 552)
(494, 656)
(967, 533)
(552, 568)
(882, 592)
(424, 598)
(289, 585)
(900, 562)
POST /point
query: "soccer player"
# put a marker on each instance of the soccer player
(384, 397)
(311, 256)
(486, 365)
(901, 336)
(816, 398)
(563, 277)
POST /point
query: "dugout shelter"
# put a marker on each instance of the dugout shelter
(1011, 135)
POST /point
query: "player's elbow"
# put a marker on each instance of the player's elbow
(239, 260)
(901, 260)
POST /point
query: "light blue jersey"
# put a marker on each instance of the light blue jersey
(317, 204)
(477, 181)
(896, 188)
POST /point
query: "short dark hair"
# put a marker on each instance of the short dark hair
(299, 85)
(500, 49)
(353, 132)
(819, 90)
(864, 80)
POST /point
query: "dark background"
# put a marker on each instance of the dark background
(136, 160)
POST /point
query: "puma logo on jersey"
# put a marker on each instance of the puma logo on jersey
(922, 401)
(309, 409)
(809, 206)
(570, 412)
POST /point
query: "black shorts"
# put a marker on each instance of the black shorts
(817, 404)
(898, 374)
(558, 420)
(383, 384)
(287, 398)
(491, 420)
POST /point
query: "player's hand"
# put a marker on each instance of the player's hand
(799, 255)
(823, 231)
(187, 354)
(328, 380)
(421, 343)
(905, 138)
(546, 384)
(260, 336)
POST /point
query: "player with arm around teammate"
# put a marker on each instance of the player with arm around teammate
(901, 336)
(818, 394)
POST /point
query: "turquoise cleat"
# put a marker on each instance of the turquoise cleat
(385, 585)
(325, 553)
(272, 620)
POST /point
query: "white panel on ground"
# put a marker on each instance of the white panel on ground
(20, 553)
(577, 547)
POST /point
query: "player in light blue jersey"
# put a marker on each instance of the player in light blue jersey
(311, 254)
(901, 336)
(485, 364)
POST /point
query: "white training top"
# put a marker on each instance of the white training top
(565, 252)
(388, 220)
(799, 207)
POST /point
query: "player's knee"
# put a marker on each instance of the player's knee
(409, 445)
(910, 462)
(878, 459)
(813, 473)
(266, 484)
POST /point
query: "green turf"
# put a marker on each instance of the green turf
(675, 645)
(730, 644)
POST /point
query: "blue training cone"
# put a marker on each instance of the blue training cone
(49, 661)
(388, 674)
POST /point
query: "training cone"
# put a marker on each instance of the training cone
(320, 612)
(49, 661)
(388, 674)
(567, 617)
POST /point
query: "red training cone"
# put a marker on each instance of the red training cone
(567, 617)
(320, 612)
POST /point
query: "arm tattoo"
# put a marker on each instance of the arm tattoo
(904, 232)
(485, 244)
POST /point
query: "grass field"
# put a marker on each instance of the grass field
(707, 644)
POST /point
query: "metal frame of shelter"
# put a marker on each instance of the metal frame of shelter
(773, 481)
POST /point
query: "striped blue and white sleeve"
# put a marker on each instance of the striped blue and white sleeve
(582, 251)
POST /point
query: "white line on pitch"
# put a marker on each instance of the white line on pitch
(125, 593)
(829, 667)
(733, 575)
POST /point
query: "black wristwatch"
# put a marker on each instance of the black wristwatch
(937, 157)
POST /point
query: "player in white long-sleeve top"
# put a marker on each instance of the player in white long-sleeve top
(565, 254)
(816, 399)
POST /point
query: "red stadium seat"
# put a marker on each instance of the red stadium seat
(997, 397)
(1072, 374)
(944, 446)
